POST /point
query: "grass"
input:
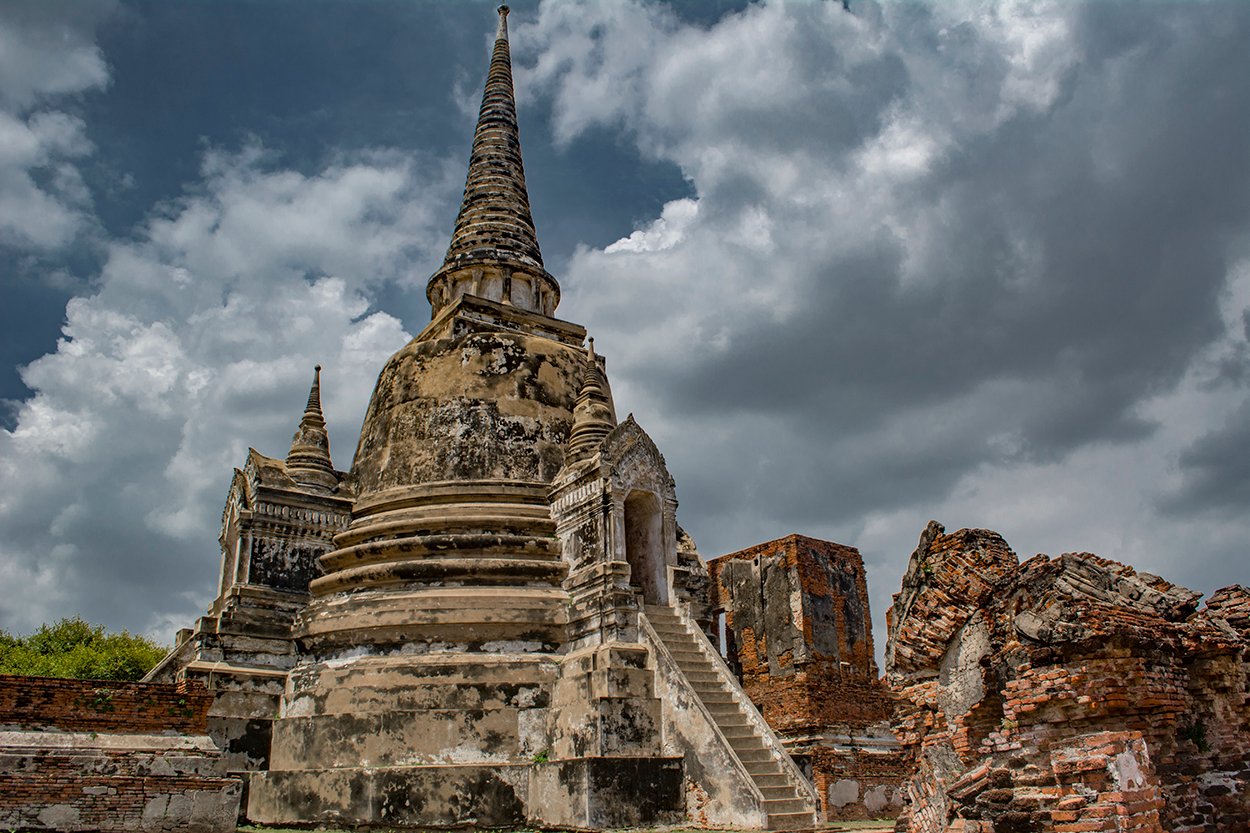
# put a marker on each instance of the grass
(878, 826)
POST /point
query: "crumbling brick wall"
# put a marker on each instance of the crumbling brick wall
(103, 706)
(799, 633)
(110, 756)
(1066, 694)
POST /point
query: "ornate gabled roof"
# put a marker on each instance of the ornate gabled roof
(494, 223)
(308, 462)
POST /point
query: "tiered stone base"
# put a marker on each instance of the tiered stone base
(447, 739)
(589, 792)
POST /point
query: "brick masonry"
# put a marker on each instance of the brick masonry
(798, 631)
(45, 703)
(110, 756)
(1068, 694)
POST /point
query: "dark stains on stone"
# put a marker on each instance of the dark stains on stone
(481, 406)
(248, 739)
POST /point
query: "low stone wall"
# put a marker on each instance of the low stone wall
(110, 756)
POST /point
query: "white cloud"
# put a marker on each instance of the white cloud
(45, 57)
(45, 53)
(198, 341)
(663, 233)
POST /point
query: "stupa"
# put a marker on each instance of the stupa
(493, 618)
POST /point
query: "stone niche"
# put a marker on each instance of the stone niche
(1066, 694)
(798, 631)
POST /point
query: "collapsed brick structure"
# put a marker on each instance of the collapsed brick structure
(1066, 694)
(798, 632)
(493, 618)
(110, 756)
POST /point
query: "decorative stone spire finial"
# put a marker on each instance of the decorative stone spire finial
(593, 415)
(494, 249)
(308, 462)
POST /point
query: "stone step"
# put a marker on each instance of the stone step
(791, 821)
(736, 729)
(793, 804)
(708, 691)
(704, 675)
(681, 649)
(693, 662)
(753, 756)
(772, 779)
(718, 709)
(737, 723)
(716, 695)
(753, 743)
(779, 791)
(694, 665)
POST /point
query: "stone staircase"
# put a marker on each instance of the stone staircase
(786, 805)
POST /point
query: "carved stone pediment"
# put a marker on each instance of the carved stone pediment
(632, 461)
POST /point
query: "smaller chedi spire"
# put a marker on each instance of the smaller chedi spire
(593, 415)
(308, 462)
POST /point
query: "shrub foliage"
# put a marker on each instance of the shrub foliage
(75, 648)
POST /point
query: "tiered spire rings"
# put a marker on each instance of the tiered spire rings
(494, 250)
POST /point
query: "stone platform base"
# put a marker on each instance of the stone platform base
(585, 792)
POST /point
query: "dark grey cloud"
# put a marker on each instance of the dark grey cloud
(957, 244)
(1216, 470)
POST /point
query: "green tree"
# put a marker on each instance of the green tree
(75, 648)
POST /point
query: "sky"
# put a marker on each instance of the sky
(852, 268)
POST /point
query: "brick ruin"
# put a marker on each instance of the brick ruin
(798, 632)
(110, 756)
(1069, 694)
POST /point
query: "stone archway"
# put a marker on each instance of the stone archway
(644, 546)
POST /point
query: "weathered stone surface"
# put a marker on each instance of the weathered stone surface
(1066, 694)
(487, 405)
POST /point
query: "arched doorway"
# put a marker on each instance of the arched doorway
(644, 546)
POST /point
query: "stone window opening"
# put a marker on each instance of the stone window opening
(644, 546)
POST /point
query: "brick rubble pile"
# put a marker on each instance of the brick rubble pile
(1070, 694)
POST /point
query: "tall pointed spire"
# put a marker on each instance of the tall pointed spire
(494, 249)
(308, 462)
(593, 414)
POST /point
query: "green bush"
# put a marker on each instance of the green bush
(75, 648)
